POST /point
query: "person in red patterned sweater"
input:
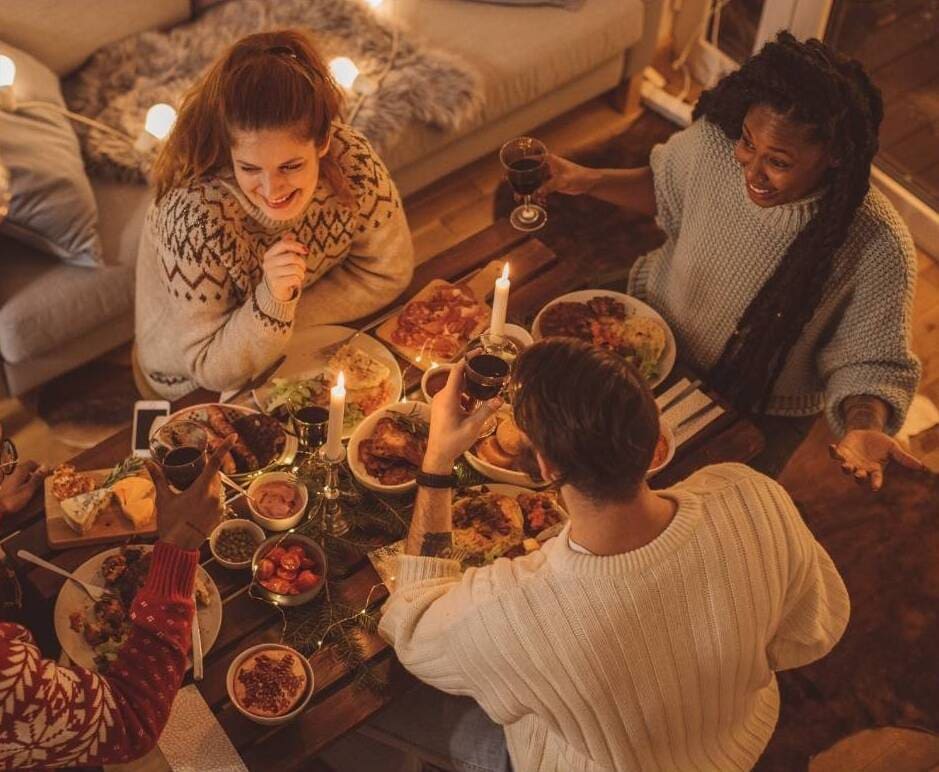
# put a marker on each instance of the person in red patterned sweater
(52, 716)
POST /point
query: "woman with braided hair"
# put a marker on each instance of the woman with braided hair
(784, 275)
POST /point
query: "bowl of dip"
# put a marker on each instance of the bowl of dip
(434, 380)
(277, 500)
(270, 683)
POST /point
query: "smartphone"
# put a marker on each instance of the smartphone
(145, 413)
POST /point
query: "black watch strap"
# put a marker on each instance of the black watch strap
(428, 480)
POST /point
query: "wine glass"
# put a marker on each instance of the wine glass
(310, 423)
(526, 166)
(179, 447)
(489, 365)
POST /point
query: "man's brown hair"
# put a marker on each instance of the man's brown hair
(590, 415)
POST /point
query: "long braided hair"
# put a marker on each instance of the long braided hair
(812, 85)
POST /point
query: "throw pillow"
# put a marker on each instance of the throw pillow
(52, 206)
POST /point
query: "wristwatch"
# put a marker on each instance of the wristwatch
(427, 480)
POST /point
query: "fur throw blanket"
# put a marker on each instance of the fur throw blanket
(123, 80)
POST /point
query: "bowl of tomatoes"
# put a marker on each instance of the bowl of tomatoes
(289, 570)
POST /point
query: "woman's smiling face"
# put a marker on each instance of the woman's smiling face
(276, 169)
(782, 161)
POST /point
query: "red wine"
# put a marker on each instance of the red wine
(183, 465)
(527, 174)
(486, 374)
(310, 425)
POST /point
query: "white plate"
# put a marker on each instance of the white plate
(72, 598)
(638, 308)
(364, 431)
(512, 491)
(233, 412)
(305, 360)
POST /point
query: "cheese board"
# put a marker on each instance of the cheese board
(110, 523)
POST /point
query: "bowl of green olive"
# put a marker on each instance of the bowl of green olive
(234, 542)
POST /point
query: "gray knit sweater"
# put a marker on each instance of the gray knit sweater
(204, 314)
(721, 248)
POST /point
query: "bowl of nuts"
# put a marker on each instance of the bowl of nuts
(234, 542)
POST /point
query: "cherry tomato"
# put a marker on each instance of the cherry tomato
(276, 554)
(265, 569)
(290, 562)
(297, 549)
(289, 576)
(293, 590)
(306, 581)
(306, 562)
(280, 586)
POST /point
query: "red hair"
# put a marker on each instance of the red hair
(269, 80)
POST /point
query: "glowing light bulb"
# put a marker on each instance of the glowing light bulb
(374, 3)
(7, 71)
(160, 120)
(344, 71)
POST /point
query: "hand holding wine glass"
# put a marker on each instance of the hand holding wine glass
(526, 167)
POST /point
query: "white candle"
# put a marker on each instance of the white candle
(500, 303)
(337, 409)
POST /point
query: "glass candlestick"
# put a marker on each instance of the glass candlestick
(333, 521)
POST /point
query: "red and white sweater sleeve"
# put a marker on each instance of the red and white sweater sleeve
(54, 716)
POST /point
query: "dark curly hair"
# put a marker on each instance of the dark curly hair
(812, 85)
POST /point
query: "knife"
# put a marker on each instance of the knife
(696, 414)
(196, 643)
(685, 392)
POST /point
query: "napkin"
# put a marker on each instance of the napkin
(675, 414)
(194, 741)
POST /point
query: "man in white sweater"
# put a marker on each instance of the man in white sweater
(645, 636)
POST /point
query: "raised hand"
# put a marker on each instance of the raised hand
(186, 519)
(284, 266)
(567, 177)
(864, 453)
(452, 432)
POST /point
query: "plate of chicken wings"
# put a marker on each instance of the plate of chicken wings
(387, 448)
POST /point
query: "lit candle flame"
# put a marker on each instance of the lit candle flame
(505, 272)
(341, 383)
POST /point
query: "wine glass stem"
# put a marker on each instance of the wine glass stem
(527, 212)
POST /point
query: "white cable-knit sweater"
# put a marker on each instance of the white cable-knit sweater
(721, 248)
(661, 658)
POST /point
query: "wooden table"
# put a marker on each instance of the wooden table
(538, 275)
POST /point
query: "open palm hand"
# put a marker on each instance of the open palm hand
(864, 453)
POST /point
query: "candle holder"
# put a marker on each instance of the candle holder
(334, 523)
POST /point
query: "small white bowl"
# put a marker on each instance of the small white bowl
(425, 378)
(234, 524)
(364, 430)
(268, 720)
(666, 430)
(277, 524)
(499, 473)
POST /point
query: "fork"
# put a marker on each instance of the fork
(93, 590)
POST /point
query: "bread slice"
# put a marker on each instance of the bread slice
(257, 669)
(83, 510)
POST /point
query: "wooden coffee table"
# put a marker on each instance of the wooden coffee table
(538, 275)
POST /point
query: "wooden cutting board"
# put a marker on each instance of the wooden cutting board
(111, 524)
(481, 285)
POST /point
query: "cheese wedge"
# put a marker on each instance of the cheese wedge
(83, 510)
(137, 498)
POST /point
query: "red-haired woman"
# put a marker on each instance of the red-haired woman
(269, 212)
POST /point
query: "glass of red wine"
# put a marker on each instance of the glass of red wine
(179, 447)
(526, 166)
(489, 364)
(310, 423)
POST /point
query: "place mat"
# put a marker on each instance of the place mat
(385, 561)
(194, 741)
(678, 412)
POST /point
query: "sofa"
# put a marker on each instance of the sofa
(536, 62)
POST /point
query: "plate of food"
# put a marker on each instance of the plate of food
(91, 632)
(664, 449)
(437, 323)
(387, 448)
(372, 376)
(101, 505)
(262, 441)
(504, 455)
(614, 321)
(491, 521)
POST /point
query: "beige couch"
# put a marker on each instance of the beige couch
(536, 63)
